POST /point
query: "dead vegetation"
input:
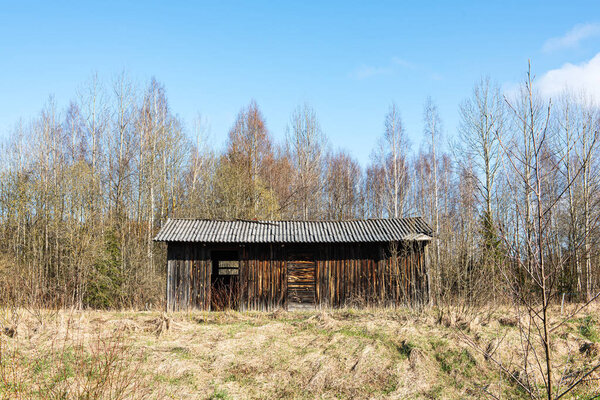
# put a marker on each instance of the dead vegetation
(371, 353)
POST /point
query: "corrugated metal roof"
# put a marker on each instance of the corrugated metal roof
(243, 231)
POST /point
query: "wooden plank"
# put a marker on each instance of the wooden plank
(301, 280)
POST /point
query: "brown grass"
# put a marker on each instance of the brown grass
(372, 353)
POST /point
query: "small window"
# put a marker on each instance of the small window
(229, 267)
(225, 264)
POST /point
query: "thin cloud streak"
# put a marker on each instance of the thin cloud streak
(396, 64)
(403, 63)
(367, 71)
(572, 38)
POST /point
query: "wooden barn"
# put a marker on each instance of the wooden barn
(266, 265)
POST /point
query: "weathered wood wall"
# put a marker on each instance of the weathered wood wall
(356, 274)
(263, 278)
(366, 274)
(188, 277)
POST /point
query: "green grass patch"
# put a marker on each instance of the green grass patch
(399, 349)
(405, 348)
(588, 328)
(185, 379)
(182, 352)
(391, 385)
(219, 394)
(456, 360)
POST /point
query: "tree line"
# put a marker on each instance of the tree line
(84, 189)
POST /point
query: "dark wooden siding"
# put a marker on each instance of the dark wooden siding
(262, 277)
(359, 275)
(188, 277)
(346, 274)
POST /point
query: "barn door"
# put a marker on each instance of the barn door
(301, 281)
(224, 285)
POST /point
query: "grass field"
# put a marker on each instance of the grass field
(344, 354)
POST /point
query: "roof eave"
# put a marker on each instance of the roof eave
(418, 237)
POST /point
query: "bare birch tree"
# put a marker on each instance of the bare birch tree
(306, 144)
(432, 131)
(390, 156)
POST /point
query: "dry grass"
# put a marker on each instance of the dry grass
(376, 354)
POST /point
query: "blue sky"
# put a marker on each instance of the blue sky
(349, 60)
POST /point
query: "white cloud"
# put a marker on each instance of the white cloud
(572, 38)
(580, 78)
